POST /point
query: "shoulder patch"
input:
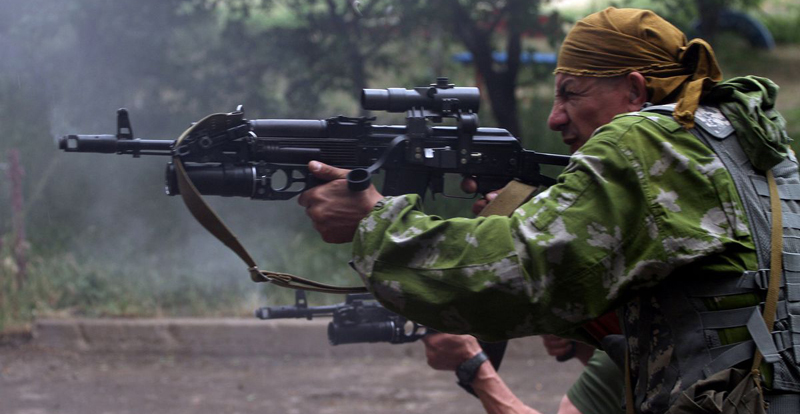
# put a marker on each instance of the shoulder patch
(713, 121)
(663, 120)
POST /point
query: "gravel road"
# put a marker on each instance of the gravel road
(36, 379)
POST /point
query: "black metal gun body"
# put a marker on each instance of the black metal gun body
(359, 319)
(267, 159)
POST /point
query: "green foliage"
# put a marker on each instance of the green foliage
(792, 117)
(784, 26)
(314, 47)
(685, 13)
(87, 284)
(64, 285)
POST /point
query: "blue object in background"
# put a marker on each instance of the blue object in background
(526, 58)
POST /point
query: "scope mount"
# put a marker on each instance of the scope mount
(425, 104)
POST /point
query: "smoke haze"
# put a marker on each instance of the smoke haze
(66, 67)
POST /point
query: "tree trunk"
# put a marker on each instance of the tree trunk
(501, 82)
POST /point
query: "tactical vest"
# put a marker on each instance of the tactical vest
(676, 311)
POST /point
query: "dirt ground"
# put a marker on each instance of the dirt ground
(36, 380)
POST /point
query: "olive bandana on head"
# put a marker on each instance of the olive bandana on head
(616, 42)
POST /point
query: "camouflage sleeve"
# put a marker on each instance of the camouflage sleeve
(629, 209)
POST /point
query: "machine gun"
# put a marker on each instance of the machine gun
(360, 318)
(266, 159)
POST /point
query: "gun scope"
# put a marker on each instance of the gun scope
(433, 98)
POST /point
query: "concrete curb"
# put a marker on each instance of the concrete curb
(225, 336)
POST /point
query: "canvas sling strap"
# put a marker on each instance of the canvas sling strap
(513, 195)
(770, 304)
(776, 270)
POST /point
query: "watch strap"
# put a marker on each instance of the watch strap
(468, 370)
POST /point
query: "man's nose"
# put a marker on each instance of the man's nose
(558, 118)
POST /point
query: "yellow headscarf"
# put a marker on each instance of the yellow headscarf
(615, 42)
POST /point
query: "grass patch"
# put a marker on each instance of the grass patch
(61, 285)
(91, 283)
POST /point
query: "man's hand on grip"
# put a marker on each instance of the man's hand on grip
(332, 207)
(469, 185)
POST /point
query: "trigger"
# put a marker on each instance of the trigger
(437, 185)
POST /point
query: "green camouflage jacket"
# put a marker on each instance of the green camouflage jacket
(641, 200)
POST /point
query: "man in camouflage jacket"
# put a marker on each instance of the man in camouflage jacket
(642, 203)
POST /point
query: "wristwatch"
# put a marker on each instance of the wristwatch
(467, 371)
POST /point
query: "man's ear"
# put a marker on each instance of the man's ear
(638, 90)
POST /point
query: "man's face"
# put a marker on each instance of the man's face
(583, 104)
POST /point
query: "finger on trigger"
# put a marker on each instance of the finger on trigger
(469, 185)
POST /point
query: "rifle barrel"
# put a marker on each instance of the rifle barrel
(287, 312)
(110, 144)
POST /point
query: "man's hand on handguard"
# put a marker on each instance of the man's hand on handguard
(332, 207)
